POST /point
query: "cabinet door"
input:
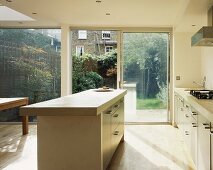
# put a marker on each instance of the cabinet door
(106, 147)
(193, 141)
(186, 126)
(211, 139)
(203, 143)
(180, 109)
(176, 110)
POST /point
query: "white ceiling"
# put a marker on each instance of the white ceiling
(180, 14)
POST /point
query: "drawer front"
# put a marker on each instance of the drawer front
(116, 137)
(118, 117)
(111, 110)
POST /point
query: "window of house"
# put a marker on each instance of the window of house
(108, 49)
(105, 35)
(79, 50)
(82, 34)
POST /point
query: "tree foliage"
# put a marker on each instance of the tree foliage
(145, 56)
(31, 60)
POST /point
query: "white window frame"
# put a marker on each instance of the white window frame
(82, 34)
(104, 33)
(77, 52)
(108, 48)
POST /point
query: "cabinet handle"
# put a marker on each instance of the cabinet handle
(187, 106)
(181, 109)
(116, 133)
(116, 106)
(115, 115)
(206, 125)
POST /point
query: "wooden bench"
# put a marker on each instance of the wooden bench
(9, 103)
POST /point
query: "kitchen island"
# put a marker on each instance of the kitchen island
(79, 131)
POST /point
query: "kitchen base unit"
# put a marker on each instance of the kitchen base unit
(79, 133)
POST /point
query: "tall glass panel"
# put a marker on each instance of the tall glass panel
(145, 75)
(29, 66)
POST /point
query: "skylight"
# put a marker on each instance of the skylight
(8, 14)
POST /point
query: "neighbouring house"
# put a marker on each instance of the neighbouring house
(93, 42)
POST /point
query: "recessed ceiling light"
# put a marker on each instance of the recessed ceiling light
(98, 1)
(108, 13)
(193, 25)
(34, 13)
(9, 0)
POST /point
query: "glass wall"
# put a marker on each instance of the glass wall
(94, 55)
(29, 66)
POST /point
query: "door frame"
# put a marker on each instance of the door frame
(169, 66)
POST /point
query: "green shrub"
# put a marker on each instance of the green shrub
(163, 94)
(84, 77)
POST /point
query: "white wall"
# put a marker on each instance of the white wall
(207, 65)
(187, 61)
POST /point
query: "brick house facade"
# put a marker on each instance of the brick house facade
(93, 42)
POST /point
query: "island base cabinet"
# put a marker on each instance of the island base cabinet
(69, 143)
(80, 142)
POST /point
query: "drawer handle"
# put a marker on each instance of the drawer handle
(206, 125)
(187, 106)
(108, 112)
(186, 133)
(181, 109)
(186, 115)
(116, 106)
(194, 113)
(116, 133)
(194, 124)
(116, 115)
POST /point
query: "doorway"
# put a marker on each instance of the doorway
(145, 75)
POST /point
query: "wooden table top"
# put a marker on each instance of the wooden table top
(7, 103)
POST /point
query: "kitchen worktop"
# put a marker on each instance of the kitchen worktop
(204, 106)
(88, 103)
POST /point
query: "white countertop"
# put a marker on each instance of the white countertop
(203, 106)
(86, 103)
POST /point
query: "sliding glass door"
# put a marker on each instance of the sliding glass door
(145, 76)
(143, 70)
